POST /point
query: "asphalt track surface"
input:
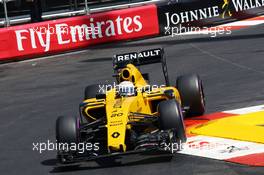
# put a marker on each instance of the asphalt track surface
(34, 93)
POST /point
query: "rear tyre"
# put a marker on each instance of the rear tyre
(171, 117)
(91, 91)
(190, 88)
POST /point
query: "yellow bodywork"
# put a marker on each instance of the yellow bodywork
(119, 111)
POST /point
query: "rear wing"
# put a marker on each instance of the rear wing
(138, 58)
(145, 57)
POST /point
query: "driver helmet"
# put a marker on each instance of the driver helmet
(126, 88)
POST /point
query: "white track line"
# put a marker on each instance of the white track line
(246, 110)
(244, 23)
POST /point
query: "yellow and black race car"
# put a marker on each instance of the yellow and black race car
(132, 115)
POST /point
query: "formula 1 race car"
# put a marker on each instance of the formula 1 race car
(132, 116)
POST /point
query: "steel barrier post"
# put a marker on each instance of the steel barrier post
(7, 23)
(87, 10)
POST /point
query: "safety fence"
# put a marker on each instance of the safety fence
(14, 12)
(140, 21)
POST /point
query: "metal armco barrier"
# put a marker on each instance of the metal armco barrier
(204, 13)
(6, 22)
(49, 37)
(85, 11)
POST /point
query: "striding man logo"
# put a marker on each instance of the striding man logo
(226, 9)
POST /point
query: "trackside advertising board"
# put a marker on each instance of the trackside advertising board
(164, 18)
(181, 15)
(37, 39)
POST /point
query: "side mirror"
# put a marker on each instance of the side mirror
(169, 93)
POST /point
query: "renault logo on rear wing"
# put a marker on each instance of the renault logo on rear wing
(138, 58)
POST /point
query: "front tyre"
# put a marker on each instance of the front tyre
(67, 129)
(171, 118)
(67, 133)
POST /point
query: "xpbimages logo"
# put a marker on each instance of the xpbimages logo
(75, 147)
(224, 9)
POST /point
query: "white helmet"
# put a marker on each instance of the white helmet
(126, 88)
